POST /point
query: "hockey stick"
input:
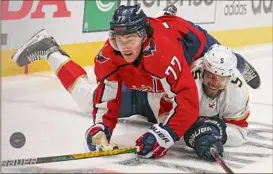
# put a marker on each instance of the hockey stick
(51, 159)
(220, 161)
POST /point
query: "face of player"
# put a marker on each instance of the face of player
(214, 84)
(129, 46)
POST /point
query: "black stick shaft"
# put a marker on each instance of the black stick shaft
(220, 161)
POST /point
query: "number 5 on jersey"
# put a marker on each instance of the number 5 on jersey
(170, 68)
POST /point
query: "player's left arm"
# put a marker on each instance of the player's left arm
(237, 113)
(178, 84)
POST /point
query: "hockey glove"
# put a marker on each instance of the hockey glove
(155, 142)
(218, 126)
(98, 138)
(204, 134)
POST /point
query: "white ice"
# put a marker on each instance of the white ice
(38, 106)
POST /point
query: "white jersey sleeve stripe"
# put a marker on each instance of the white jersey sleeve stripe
(109, 93)
(167, 88)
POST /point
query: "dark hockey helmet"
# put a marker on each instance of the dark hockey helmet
(127, 20)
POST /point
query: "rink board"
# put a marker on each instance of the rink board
(84, 53)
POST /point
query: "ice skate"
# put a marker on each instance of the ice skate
(251, 76)
(170, 10)
(248, 72)
(38, 47)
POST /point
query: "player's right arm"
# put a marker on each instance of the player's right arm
(106, 99)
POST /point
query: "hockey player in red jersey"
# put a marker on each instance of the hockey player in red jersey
(222, 117)
(136, 55)
(144, 54)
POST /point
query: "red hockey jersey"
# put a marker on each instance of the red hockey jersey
(163, 68)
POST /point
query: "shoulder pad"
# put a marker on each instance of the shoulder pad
(104, 66)
(237, 87)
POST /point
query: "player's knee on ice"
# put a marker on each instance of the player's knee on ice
(236, 136)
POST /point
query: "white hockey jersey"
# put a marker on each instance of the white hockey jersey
(232, 104)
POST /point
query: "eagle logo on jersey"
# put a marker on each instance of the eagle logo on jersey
(151, 47)
(101, 58)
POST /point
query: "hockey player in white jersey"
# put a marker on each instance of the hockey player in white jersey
(223, 99)
(224, 103)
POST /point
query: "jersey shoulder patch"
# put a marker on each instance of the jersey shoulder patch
(104, 66)
(150, 48)
(100, 58)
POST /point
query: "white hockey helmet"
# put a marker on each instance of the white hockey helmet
(220, 60)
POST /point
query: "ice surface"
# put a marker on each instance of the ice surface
(38, 106)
